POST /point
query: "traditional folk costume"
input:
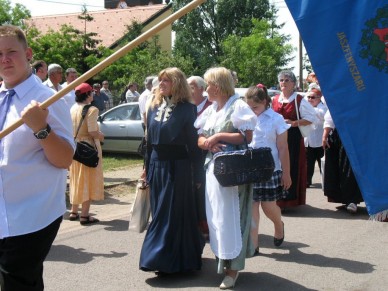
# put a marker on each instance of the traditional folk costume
(340, 185)
(298, 168)
(173, 242)
(228, 209)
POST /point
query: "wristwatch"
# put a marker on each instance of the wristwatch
(43, 133)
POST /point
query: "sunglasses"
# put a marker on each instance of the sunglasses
(312, 97)
(284, 80)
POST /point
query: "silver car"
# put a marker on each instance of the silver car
(242, 91)
(122, 128)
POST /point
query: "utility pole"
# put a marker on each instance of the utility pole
(300, 63)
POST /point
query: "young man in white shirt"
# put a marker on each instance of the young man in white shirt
(33, 163)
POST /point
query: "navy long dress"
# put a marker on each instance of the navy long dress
(173, 242)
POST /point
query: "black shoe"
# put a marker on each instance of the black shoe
(87, 220)
(278, 241)
(256, 253)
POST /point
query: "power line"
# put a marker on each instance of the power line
(67, 3)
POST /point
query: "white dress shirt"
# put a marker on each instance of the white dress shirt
(143, 100)
(328, 120)
(50, 84)
(314, 139)
(32, 190)
(202, 104)
(69, 97)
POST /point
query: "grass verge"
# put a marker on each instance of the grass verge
(113, 161)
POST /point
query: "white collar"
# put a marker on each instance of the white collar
(289, 100)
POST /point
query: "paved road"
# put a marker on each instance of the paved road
(325, 248)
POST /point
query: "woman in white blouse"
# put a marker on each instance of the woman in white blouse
(228, 209)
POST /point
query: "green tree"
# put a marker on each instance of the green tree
(200, 33)
(13, 15)
(64, 47)
(307, 64)
(144, 60)
(259, 57)
(137, 64)
(89, 40)
(74, 48)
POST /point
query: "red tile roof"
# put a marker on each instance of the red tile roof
(110, 24)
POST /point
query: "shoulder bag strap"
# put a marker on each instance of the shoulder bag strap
(84, 112)
(297, 109)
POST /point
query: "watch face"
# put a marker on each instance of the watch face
(42, 134)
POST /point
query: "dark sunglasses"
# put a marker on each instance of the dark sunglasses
(312, 97)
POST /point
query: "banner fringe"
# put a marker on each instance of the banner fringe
(380, 216)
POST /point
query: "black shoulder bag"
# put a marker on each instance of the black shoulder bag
(84, 152)
(243, 166)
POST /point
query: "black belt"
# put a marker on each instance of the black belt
(170, 152)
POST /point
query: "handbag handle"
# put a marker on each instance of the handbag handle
(245, 138)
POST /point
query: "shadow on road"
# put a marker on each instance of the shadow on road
(208, 278)
(290, 253)
(110, 199)
(115, 225)
(62, 253)
(315, 212)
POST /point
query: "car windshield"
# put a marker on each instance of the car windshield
(122, 113)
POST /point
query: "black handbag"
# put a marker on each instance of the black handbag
(243, 166)
(84, 152)
(141, 150)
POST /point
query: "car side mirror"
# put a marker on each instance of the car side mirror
(100, 118)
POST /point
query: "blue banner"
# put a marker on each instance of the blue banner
(347, 43)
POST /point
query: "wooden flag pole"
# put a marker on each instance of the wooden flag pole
(111, 59)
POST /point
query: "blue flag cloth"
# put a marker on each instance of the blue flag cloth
(347, 43)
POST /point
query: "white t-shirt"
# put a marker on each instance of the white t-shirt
(132, 96)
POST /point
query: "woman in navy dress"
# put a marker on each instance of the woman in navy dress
(173, 242)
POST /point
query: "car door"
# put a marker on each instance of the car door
(122, 128)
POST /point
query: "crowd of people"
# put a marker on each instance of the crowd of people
(187, 121)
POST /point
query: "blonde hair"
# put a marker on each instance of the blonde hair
(180, 90)
(222, 78)
(14, 31)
